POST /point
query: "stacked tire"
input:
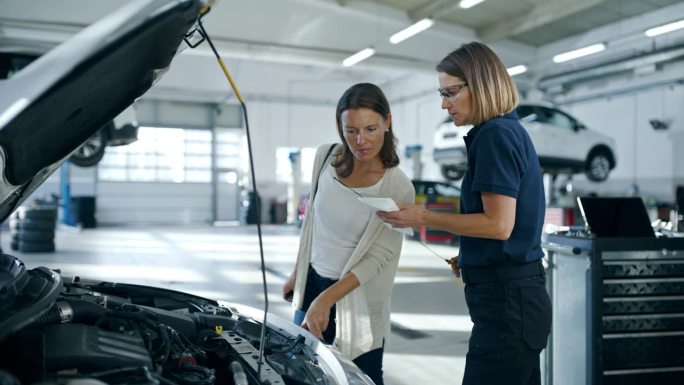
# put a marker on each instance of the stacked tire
(33, 229)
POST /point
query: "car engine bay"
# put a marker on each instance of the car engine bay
(107, 333)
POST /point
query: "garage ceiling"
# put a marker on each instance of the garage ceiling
(533, 22)
(293, 49)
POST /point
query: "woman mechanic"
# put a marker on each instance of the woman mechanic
(500, 222)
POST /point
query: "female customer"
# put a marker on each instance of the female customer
(347, 258)
(500, 224)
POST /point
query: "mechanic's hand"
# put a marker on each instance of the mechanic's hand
(316, 318)
(408, 216)
(288, 287)
(453, 262)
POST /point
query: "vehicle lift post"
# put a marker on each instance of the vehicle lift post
(65, 187)
(414, 152)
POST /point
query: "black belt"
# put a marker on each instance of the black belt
(483, 274)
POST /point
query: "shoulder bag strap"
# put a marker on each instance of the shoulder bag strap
(325, 160)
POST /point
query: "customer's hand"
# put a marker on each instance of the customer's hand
(288, 287)
(408, 216)
(453, 262)
(316, 318)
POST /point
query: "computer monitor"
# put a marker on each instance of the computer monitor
(608, 217)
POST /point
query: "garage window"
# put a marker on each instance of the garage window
(229, 147)
(160, 155)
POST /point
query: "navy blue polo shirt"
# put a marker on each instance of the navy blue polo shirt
(502, 160)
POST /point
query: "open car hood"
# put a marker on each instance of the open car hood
(52, 106)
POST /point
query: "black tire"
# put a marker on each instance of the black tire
(91, 152)
(35, 224)
(14, 245)
(599, 164)
(453, 173)
(40, 214)
(36, 235)
(15, 237)
(36, 247)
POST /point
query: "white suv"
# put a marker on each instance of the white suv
(563, 144)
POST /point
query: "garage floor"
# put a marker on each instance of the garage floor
(430, 322)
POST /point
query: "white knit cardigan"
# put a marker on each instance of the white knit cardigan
(363, 315)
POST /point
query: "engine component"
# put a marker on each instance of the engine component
(250, 355)
(89, 348)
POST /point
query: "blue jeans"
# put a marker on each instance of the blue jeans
(370, 362)
(315, 285)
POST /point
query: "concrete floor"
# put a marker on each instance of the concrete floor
(430, 322)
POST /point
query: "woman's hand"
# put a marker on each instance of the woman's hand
(317, 317)
(288, 287)
(408, 216)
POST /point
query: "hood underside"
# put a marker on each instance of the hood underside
(56, 103)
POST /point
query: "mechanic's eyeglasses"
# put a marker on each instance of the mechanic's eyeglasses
(451, 91)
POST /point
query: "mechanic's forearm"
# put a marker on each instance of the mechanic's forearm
(336, 292)
(471, 225)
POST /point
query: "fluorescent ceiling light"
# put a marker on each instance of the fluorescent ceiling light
(517, 70)
(465, 4)
(357, 57)
(665, 28)
(572, 55)
(416, 28)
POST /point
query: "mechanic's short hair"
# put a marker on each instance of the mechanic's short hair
(492, 88)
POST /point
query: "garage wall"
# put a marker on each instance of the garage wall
(649, 161)
(153, 203)
(278, 124)
(417, 114)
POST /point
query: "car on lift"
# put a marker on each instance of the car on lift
(563, 144)
(120, 131)
(58, 329)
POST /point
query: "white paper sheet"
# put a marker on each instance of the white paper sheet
(386, 204)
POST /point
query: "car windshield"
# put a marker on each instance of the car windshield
(526, 113)
(436, 188)
(447, 190)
